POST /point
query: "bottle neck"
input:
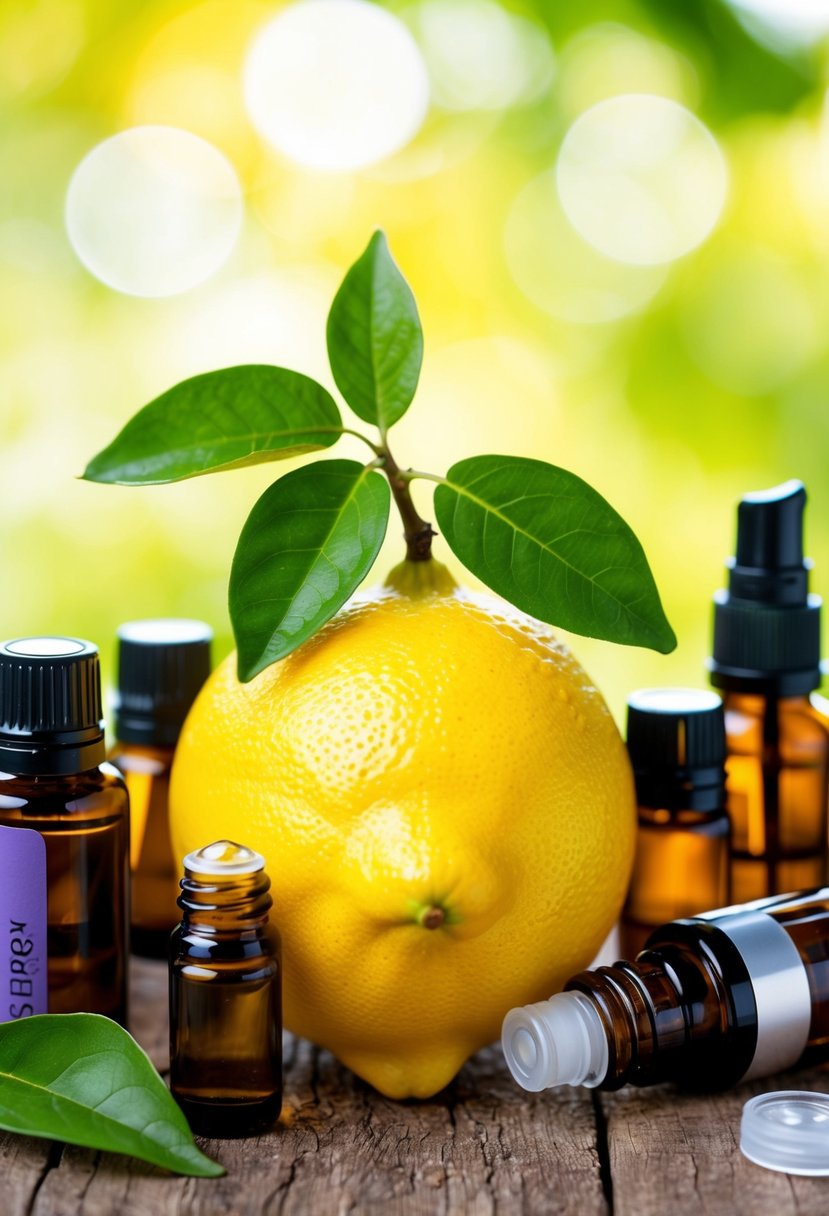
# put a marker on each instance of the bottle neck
(684, 1011)
(654, 797)
(159, 731)
(234, 904)
(710, 1001)
(64, 785)
(67, 755)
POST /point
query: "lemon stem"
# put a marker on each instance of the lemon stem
(416, 531)
(432, 917)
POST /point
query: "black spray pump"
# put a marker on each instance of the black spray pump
(767, 625)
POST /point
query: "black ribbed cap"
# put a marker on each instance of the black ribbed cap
(767, 625)
(51, 721)
(162, 664)
(676, 742)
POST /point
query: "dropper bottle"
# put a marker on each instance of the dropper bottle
(676, 742)
(713, 1000)
(766, 662)
(225, 995)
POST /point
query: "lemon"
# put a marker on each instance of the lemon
(447, 813)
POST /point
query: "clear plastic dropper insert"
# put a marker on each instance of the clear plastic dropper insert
(557, 1042)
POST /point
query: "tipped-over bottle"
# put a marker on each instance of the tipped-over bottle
(713, 1000)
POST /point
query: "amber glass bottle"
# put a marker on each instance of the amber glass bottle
(676, 741)
(225, 995)
(738, 993)
(162, 664)
(64, 836)
(766, 661)
(778, 757)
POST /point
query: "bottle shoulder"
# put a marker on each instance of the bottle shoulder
(98, 793)
(798, 726)
(251, 952)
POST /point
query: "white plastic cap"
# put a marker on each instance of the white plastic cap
(787, 1131)
(557, 1042)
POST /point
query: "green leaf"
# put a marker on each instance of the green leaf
(221, 420)
(80, 1078)
(307, 545)
(375, 343)
(550, 544)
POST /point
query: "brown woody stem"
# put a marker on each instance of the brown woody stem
(417, 532)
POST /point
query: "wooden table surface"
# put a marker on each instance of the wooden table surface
(483, 1146)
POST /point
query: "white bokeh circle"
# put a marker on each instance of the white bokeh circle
(563, 275)
(153, 211)
(641, 178)
(336, 84)
(797, 23)
(479, 56)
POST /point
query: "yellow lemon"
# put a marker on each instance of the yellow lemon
(447, 814)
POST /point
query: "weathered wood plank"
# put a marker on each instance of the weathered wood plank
(149, 1022)
(481, 1147)
(24, 1163)
(678, 1152)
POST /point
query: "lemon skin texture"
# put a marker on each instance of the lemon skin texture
(447, 815)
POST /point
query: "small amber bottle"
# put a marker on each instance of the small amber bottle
(162, 664)
(766, 661)
(226, 995)
(676, 741)
(64, 836)
(721, 998)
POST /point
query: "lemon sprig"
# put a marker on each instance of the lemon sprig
(535, 533)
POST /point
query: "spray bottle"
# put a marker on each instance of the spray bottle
(766, 662)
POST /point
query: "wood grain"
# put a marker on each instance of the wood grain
(674, 1152)
(481, 1147)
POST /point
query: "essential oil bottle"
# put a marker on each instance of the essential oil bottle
(226, 995)
(162, 664)
(64, 837)
(766, 661)
(676, 741)
(713, 1000)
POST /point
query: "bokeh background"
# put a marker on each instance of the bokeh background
(614, 216)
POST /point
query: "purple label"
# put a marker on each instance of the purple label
(23, 962)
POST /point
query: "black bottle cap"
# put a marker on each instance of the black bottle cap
(162, 664)
(767, 625)
(676, 742)
(51, 721)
